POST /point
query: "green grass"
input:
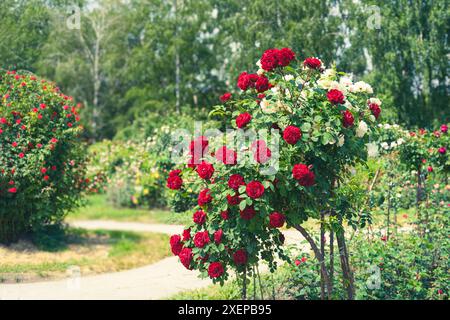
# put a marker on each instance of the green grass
(98, 208)
(94, 252)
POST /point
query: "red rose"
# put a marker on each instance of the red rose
(171, 173)
(201, 239)
(225, 215)
(186, 257)
(292, 134)
(430, 169)
(186, 234)
(198, 147)
(442, 150)
(215, 270)
(255, 189)
(376, 110)
(235, 181)
(243, 119)
(444, 128)
(12, 190)
(225, 97)
(233, 200)
(199, 217)
(205, 170)
(347, 119)
(218, 236)
(240, 257)
(335, 96)
(174, 182)
(262, 84)
(312, 63)
(261, 153)
(175, 244)
(303, 175)
(285, 56)
(277, 220)
(248, 213)
(227, 156)
(204, 197)
(243, 81)
(269, 59)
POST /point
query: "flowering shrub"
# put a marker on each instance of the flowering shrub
(41, 168)
(319, 122)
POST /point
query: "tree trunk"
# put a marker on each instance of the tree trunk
(331, 258)
(347, 273)
(322, 252)
(319, 257)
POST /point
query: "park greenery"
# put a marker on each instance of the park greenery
(91, 93)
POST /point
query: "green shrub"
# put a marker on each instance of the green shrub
(41, 164)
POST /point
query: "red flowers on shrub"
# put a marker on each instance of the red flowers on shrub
(175, 244)
(442, 150)
(227, 156)
(215, 270)
(292, 134)
(243, 119)
(347, 119)
(240, 257)
(255, 189)
(235, 181)
(225, 97)
(262, 84)
(335, 96)
(174, 180)
(204, 197)
(277, 220)
(312, 63)
(187, 234)
(199, 217)
(225, 215)
(444, 128)
(205, 170)
(303, 174)
(186, 257)
(201, 239)
(376, 110)
(12, 190)
(218, 236)
(233, 200)
(248, 213)
(261, 153)
(273, 58)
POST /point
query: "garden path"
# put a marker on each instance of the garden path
(157, 281)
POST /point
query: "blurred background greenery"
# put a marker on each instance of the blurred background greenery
(146, 59)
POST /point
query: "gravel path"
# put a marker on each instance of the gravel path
(157, 281)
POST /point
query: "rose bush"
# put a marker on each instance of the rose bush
(41, 164)
(319, 122)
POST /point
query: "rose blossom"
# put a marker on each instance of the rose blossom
(186, 257)
(248, 213)
(199, 217)
(303, 175)
(215, 270)
(225, 97)
(205, 170)
(175, 244)
(335, 96)
(292, 134)
(277, 220)
(204, 197)
(240, 257)
(243, 119)
(255, 189)
(201, 239)
(235, 181)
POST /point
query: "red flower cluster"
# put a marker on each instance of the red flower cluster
(252, 80)
(248, 213)
(225, 97)
(174, 180)
(205, 170)
(215, 270)
(243, 119)
(201, 239)
(199, 217)
(444, 128)
(276, 220)
(235, 181)
(255, 189)
(273, 58)
(347, 119)
(376, 110)
(233, 200)
(303, 174)
(261, 153)
(227, 156)
(292, 134)
(204, 197)
(186, 257)
(335, 96)
(218, 236)
(240, 257)
(312, 63)
(197, 149)
(175, 244)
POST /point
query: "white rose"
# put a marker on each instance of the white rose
(372, 150)
(362, 129)
(346, 81)
(374, 100)
(329, 73)
(341, 140)
(288, 77)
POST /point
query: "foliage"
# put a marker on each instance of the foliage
(41, 164)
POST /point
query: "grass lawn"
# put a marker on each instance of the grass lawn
(97, 207)
(93, 252)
